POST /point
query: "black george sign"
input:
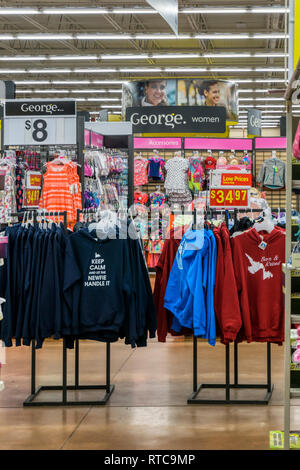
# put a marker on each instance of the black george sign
(202, 119)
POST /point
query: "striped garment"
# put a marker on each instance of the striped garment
(61, 190)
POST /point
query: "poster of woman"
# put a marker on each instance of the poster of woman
(194, 92)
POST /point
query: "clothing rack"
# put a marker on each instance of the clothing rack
(228, 386)
(30, 400)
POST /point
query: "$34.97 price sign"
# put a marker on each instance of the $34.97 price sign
(31, 198)
(234, 198)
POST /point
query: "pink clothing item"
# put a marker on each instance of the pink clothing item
(140, 171)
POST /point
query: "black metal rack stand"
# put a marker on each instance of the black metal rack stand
(30, 400)
(193, 400)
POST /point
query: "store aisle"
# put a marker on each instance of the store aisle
(148, 408)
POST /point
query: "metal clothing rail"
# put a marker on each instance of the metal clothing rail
(64, 388)
(228, 386)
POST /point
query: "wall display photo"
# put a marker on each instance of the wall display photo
(194, 92)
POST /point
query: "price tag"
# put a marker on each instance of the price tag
(235, 198)
(31, 198)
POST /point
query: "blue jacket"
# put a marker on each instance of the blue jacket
(190, 290)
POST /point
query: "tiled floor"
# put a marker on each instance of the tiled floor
(148, 408)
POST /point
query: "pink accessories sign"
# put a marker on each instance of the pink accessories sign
(198, 143)
(87, 137)
(270, 143)
(157, 143)
(96, 140)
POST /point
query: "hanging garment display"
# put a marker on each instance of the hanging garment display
(140, 171)
(272, 173)
(74, 286)
(176, 182)
(61, 189)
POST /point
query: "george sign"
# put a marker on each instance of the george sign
(254, 122)
(171, 119)
(31, 197)
(96, 140)
(225, 179)
(42, 122)
(157, 143)
(168, 9)
(229, 198)
(39, 108)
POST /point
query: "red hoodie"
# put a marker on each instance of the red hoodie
(231, 313)
(259, 283)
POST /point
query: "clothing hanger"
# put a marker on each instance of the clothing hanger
(264, 222)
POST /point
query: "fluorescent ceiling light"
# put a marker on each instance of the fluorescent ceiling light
(233, 70)
(137, 11)
(264, 106)
(70, 82)
(4, 71)
(24, 91)
(109, 82)
(175, 56)
(19, 11)
(79, 99)
(134, 11)
(22, 58)
(98, 11)
(238, 10)
(261, 99)
(103, 99)
(270, 69)
(101, 36)
(213, 10)
(99, 70)
(269, 10)
(226, 54)
(269, 54)
(161, 36)
(135, 70)
(96, 91)
(116, 106)
(75, 11)
(140, 36)
(51, 91)
(124, 56)
(73, 57)
(44, 36)
(269, 80)
(37, 71)
(185, 69)
(32, 82)
(269, 36)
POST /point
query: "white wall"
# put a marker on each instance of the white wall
(110, 128)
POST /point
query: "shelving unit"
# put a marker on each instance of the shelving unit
(290, 316)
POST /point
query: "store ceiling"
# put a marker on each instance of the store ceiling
(106, 44)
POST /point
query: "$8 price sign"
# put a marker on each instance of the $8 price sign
(229, 198)
(38, 129)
